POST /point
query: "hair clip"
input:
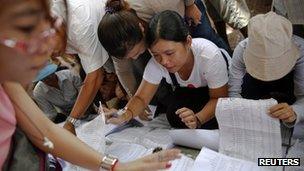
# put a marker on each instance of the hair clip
(109, 10)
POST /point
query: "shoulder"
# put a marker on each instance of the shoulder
(206, 53)
(300, 44)
(204, 48)
(238, 53)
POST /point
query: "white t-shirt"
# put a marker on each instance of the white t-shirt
(82, 24)
(209, 69)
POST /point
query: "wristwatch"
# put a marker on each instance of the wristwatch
(108, 162)
(73, 121)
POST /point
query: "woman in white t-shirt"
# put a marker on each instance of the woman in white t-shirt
(197, 65)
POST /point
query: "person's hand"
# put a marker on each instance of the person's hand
(117, 120)
(188, 117)
(193, 13)
(70, 127)
(114, 118)
(156, 161)
(146, 115)
(284, 112)
(108, 112)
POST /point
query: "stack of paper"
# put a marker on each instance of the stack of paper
(146, 136)
(246, 130)
(209, 160)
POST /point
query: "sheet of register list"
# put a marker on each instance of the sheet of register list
(209, 160)
(127, 152)
(247, 131)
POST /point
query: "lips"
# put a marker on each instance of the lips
(169, 68)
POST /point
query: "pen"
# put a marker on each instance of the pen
(157, 149)
(101, 111)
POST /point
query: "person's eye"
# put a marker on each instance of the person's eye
(170, 53)
(26, 29)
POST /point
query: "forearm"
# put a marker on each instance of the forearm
(208, 112)
(140, 100)
(36, 126)
(66, 145)
(87, 94)
(136, 106)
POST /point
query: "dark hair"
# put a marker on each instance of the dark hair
(119, 29)
(167, 25)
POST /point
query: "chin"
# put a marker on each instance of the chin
(172, 70)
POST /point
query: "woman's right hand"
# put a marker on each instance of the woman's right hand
(156, 161)
(146, 115)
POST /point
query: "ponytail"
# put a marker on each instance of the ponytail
(119, 29)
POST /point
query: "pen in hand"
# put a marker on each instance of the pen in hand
(101, 112)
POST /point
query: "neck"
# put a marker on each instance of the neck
(186, 69)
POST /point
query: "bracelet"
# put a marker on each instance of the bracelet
(73, 121)
(199, 121)
(126, 116)
(108, 162)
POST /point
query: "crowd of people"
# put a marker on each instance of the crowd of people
(142, 52)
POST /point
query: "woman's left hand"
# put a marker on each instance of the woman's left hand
(284, 112)
(188, 117)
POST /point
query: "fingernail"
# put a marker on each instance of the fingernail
(168, 165)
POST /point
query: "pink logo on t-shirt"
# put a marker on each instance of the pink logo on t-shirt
(191, 86)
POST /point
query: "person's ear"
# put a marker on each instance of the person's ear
(189, 41)
(141, 28)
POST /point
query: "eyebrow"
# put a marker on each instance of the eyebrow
(166, 51)
(27, 13)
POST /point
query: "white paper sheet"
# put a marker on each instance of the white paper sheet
(196, 138)
(209, 160)
(93, 133)
(246, 130)
(146, 136)
(185, 163)
(126, 152)
(160, 122)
